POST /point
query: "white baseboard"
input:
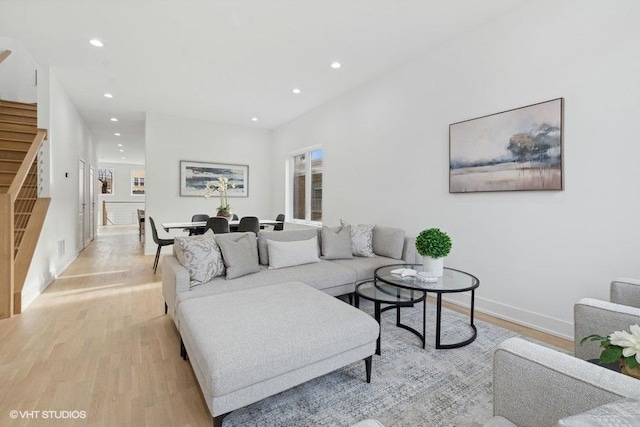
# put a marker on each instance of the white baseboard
(547, 324)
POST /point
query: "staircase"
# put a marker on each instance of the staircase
(21, 211)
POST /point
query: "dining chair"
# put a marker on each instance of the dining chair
(159, 242)
(280, 225)
(235, 217)
(198, 218)
(218, 224)
(249, 223)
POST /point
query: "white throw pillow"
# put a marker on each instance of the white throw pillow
(288, 254)
(361, 239)
(201, 256)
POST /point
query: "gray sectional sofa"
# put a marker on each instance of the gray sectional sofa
(266, 321)
(335, 277)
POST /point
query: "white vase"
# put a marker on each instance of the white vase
(433, 265)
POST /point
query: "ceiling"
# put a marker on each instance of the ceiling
(224, 60)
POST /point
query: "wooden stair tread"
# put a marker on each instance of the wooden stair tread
(18, 127)
(25, 105)
(18, 112)
(17, 136)
(13, 118)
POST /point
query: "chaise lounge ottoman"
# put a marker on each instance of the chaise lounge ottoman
(250, 344)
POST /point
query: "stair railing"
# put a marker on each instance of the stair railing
(19, 198)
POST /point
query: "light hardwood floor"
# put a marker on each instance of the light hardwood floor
(97, 341)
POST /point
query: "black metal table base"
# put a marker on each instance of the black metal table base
(459, 344)
(378, 310)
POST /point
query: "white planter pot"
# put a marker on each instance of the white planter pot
(434, 265)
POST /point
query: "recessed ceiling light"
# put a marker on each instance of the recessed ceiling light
(123, 158)
(119, 145)
(108, 95)
(296, 91)
(96, 43)
(336, 65)
(117, 134)
(122, 151)
(113, 119)
(254, 119)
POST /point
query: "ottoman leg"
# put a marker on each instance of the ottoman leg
(183, 350)
(367, 365)
(217, 421)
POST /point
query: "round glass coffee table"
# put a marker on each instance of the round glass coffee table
(398, 292)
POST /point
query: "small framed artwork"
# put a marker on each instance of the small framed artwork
(195, 175)
(515, 150)
(137, 182)
(105, 177)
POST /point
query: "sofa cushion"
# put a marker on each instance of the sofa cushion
(361, 239)
(321, 275)
(368, 423)
(289, 254)
(240, 257)
(281, 236)
(623, 412)
(201, 256)
(388, 241)
(498, 421)
(364, 267)
(274, 330)
(336, 242)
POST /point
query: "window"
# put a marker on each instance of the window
(306, 186)
(137, 182)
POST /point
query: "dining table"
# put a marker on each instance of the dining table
(191, 225)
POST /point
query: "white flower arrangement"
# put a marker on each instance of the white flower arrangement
(220, 187)
(619, 345)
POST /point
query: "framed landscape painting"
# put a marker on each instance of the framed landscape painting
(195, 175)
(514, 150)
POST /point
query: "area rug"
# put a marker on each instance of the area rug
(410, 386)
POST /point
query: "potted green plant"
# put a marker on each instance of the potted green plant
(433, 244)
(620, 346)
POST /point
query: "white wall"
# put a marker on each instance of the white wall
(171, 139)
(17, 73)
(124, 213)
(535, 253)
(69, 141)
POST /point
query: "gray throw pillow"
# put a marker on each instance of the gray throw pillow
(240, 257)
(388, 241)
(621, 413)
(201, 256)
(361, 239)
(336, 242)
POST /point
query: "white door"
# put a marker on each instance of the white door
(92, 204)
(81, 205)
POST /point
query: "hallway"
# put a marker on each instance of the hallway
(97, 340)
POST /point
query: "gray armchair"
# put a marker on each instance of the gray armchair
(592, 316)
(537, 386)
